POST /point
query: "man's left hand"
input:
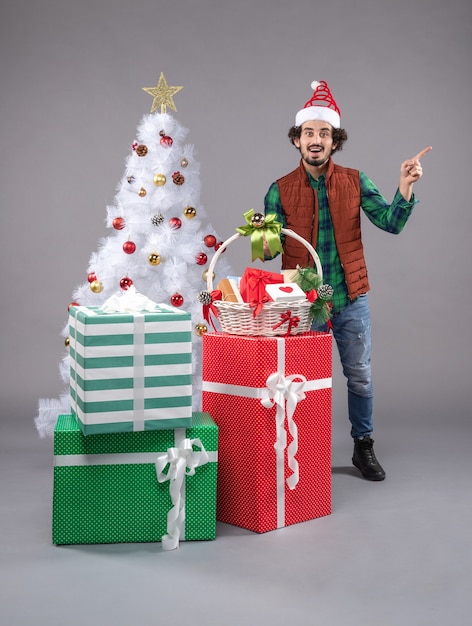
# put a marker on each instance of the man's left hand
(411, 169)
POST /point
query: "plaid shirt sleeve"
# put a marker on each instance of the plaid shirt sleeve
(272, 204)
(389, 217)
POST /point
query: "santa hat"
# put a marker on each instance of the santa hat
(321, 106)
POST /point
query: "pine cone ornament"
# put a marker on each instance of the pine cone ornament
(157, 219)
(178, 178)
(141, 150)
(325, 292)
(204, 297)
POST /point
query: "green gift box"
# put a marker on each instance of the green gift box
(130, 371)
(142, 486)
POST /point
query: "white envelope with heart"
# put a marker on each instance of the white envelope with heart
(285, 292)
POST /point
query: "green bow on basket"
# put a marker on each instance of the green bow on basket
(262, 228)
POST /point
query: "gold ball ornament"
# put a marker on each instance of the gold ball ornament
(190, 212)
(205, 275)
(67, 342)
(96, 286)
(142, 192)
(184, 162)
(159, 180)
(200, 329)
(154, 258)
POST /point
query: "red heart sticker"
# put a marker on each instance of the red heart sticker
(286, 289)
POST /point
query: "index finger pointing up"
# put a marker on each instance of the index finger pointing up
(422, 153)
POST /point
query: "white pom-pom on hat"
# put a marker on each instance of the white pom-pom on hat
(321, 106)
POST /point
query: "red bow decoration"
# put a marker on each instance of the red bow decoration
(287, 317)
(258, 305)
(207, 308)
(312, 295)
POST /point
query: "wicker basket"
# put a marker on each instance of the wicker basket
(237, 318)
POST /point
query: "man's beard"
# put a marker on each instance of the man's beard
(314, 160)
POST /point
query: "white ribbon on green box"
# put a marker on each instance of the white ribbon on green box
(180, 461)
(285, 392)
(130, 370)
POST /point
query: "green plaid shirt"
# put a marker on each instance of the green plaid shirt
(389, 217)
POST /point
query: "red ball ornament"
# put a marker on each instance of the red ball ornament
(218, 245)
(201, 258)
(71, 304)
(210, 241)
(175, 223)
(176, 300)
(129, 247)
(118, 223)
(125, 283)
(91, 277)
(166, 141)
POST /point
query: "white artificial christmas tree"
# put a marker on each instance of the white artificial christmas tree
(161, 242)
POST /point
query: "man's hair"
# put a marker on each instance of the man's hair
(339, 137)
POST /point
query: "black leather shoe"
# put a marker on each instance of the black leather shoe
(365, 461)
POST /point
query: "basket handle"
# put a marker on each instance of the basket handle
(285, 231)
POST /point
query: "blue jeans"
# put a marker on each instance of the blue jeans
(352, 332)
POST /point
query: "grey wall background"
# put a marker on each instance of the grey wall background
(71, 99)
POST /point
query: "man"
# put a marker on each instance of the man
(321, 201)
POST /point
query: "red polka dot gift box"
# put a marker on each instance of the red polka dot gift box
(271, 400)
(146, 486)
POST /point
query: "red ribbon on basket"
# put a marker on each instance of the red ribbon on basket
(258, 305)
(285, 318)
(211, 308)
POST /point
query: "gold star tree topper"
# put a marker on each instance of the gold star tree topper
(162, 94)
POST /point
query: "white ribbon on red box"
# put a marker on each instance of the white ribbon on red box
(285, 392)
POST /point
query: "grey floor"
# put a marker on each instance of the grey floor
(396, 553)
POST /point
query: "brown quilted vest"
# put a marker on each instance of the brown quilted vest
(300, 205)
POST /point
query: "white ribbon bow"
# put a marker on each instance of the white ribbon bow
(182, 462)
(282, 389)
(129, 301)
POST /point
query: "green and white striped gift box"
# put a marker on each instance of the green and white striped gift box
(130, 371)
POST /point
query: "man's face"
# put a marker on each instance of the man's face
(316, 142)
